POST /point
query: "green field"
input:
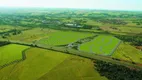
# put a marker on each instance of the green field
(63, 38)
(128, 52)
(102, 44)
(42, 63)
(37, 63)
(10, 53)
(32, 35)
(4, 28)
(130, 29)
(72, 69)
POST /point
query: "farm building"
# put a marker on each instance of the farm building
(73, 25)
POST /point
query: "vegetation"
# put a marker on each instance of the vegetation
(2, 43)
(128, 53)
(37, 63)
(58, 38)
(135, 40)
(10, 53)
(100, 45)
(44, 64)
(117, 72)
(32, 35)
(71, 69)
(110, 36)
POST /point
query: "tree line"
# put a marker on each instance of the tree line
(117, 72)
(135, 40)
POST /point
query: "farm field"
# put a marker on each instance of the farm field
(130, 29)
(10, 53)
(32, 35)
(102, 44)
(128, 52)
(5, 28)
(72, 69)
(63, 38)
(69, 44)
(37, 63)
(42, 63)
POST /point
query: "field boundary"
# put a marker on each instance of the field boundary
(16, 61)
(112, 52)
(84, 54)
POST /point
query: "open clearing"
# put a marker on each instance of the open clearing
(102, 44)
(32, 35)
(130, 29)
(63, 38)
(10, 53)
(56, 65)
(128, 52)
(74, 68)
(37, 63)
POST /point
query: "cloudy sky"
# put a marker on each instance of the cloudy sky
(89, 4)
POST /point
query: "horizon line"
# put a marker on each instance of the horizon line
(33, 7)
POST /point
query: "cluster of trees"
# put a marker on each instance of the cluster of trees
(2, 43)
(113, 14)
(112, 21)
(11, 32)
(117, 72)
(27, 20)
(138, 21)
(135, 40)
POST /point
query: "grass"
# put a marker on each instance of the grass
(102, 44)
(74, 68)
(31, 35)
(5, 28)
(128, 52)
(130, 29)
(37, 63)
(43, 64)
(63, 38)
(10, 53)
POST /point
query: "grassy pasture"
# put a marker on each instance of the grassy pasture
(5, 28)
(31, 35)
(102, 44)
(128, 52)
(43, 64)
(122, 29)
(63, 37)
(37, 63)
(11, 53)
(130, 29)
(74, 68)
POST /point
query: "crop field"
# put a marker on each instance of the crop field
(130, 29)
(63, 38)
(72, 69)
(70, 43)
(42, 63)
(32, 35)
(4, 28)
(101, 45)
(37, 63)
(128, 52)
(11, 53)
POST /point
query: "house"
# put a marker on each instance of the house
(73, 25)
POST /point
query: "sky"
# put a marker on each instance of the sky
(87, 4)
